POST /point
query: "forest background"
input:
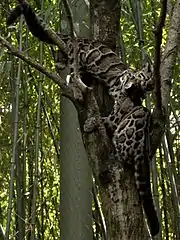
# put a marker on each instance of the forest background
(30, 130)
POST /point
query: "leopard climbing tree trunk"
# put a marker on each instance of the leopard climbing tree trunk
(120, 135)
(116, 128)
(120, 201)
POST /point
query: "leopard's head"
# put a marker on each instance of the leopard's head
(137, 84)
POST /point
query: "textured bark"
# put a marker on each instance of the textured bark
(105, 17)
(120, 201)
(122, 211)
(76, 176)
(169, 55)
(123, 214)
(168, 61)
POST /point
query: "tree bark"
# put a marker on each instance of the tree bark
(169, 55)
(120, 201)
(76, 177)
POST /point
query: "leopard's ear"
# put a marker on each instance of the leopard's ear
(148, 71)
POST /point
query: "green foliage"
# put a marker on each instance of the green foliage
(48, 195)
(48, 190)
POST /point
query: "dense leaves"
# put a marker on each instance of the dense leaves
(138, 23)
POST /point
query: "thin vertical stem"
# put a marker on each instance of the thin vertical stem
(164, 197)
(35, 185)
(175, 198)
(15, 140)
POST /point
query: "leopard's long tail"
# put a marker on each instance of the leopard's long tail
(146, 198)
(142, 178)
(34, 23)
(150, 211)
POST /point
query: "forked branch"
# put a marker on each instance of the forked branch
(56, 79)
(35, 24)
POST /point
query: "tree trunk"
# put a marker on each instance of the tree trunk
(76, 196)
(120, 201)
(76, 178)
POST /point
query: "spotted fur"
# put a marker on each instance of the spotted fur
(129, 122)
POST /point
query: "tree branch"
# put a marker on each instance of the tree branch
(37, 27)
(157, 56)
(75, 76)
(69, 17)
(166, 70)
(56, 79)
(169, 56)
